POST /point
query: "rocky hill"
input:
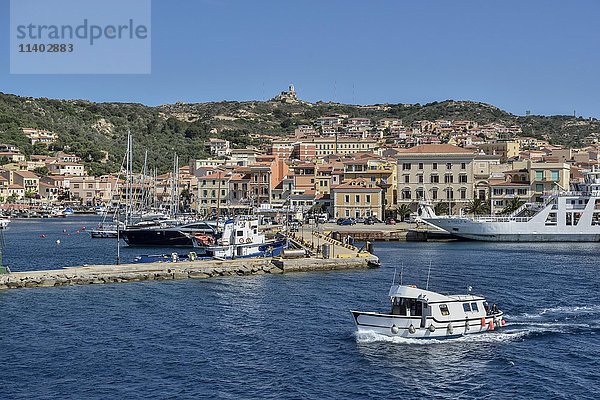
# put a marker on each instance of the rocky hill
(87, 128)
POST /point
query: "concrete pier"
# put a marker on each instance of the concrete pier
(99, 274)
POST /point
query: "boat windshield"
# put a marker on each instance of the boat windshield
(402, 306)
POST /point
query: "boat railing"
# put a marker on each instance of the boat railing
(571, 193)
(502, 219)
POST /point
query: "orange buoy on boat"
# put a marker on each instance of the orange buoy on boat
(491, 328)
(482, 321)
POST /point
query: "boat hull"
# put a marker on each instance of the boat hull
(155, 238)
(423, 327)
(513, 231)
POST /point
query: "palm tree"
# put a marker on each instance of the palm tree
(478, 207)
(512, 205)
(440, 209)
(403, 211)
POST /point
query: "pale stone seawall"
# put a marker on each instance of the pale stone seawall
(98, 274)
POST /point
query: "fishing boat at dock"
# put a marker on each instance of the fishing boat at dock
(241, 238)
(423, 314)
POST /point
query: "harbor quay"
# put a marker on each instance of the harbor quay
(101, 274)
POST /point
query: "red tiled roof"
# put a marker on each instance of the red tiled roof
(434, 149)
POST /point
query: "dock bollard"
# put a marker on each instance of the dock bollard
(326, 250)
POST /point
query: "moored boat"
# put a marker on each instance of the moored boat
(564, 216)
(4, 222)
(241, 238)
(172, 233)
(422, 314)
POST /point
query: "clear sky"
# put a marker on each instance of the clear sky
(538, 55)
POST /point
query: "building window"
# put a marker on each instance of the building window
(434, 165)
(406, 194)
(434, 179)
(406, 166)
(463, 194)
(434, 195)
(554, 175)
(522, 192)
(406, 178)
(448, 179)
(420, 165)
(347, 198)
(462, 179)
(463, 165)
(420, 178)
(357, 198)
(539, 187)
(539, 175)
(368, 198)
(449, 194)
(448, 165)
(497, 192)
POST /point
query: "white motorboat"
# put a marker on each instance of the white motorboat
(4, 223)
(567, 216)
(241, 238)
(423, 314)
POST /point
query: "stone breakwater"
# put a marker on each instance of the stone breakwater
(100, 274)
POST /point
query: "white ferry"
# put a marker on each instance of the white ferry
(568, 216)
(422, 314)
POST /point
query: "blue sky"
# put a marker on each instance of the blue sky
(542, 56)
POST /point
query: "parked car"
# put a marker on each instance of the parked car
(360, 220)
(347, 221)
(390, 221)
(369, 221)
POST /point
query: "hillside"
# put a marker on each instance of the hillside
(86, 128)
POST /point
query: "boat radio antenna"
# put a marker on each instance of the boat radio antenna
(428, 273)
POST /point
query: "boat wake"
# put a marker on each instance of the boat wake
(547, 321)
(486, 337)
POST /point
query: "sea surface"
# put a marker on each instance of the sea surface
(292, 336)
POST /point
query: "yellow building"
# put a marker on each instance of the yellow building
(357, 198)
(505, 149)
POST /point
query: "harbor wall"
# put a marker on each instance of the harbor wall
(102, 274)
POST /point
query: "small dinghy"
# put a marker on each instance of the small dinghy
(422, 314)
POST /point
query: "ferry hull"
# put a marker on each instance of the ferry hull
(423, 328)
(512, 231)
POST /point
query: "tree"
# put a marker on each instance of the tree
(403, 211)
(478, 207)
(185, 199)
(41, 171)
(441, 209)
(12, 198)
(512, 205)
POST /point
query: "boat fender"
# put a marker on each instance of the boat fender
(491, 326)
(248, 240)
(502, 322)
(467, 326)
(450, 328)
(241, 241)
(431, 328)
(395, 329)
(483, 321)
(411, 329)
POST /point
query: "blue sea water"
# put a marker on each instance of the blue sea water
(292, 336)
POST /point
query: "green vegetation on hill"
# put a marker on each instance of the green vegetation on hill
(88, 129)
